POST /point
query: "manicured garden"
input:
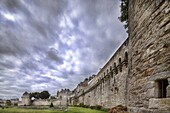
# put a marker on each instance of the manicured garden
(70, 110)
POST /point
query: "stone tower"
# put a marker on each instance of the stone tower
(63, 95)
(149, 52)
(26, 100)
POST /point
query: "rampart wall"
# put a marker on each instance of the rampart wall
(149, 55)
(108, 87)
(138, 74)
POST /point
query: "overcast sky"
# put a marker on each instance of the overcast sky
(54, 44)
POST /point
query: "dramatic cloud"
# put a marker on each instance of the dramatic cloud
(54, 44)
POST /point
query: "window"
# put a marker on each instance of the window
(111, 72)
(126, 59)
(162, 84)
(120, 64)
(103, 78)
(115, 68)
(126, 56)
(110, 68)
(107, 71)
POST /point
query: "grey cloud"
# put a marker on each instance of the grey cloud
(43, 42)
(53, 54)
(11, 5)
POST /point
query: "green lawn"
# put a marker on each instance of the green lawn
(70, 110)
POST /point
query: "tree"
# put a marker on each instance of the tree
(44, 95)
(8, 103)
(124, 12)
(52, 97)
(35, 95)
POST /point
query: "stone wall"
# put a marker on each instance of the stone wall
(39, 102)
(138, 74)
(113, 84)
(108, 87)
(149, 51)
(47, 102)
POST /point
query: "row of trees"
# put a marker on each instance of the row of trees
(40, 95)
(124, 12)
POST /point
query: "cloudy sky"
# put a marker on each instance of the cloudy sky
(54, 44)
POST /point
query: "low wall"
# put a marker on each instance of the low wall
(47, 102)
(41, 102)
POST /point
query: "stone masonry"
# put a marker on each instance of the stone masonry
(149, 56)
(138, 74)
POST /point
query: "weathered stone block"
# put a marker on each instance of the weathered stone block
(154, 103)
(150, 93)
(159, 103)
(168, 91)
(165, 103)
(150, 85)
